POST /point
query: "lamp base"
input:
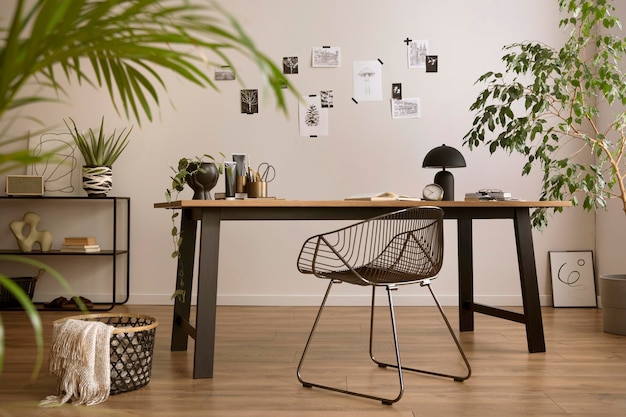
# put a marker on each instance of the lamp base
(445, 180)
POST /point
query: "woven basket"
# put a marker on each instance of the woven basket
(132, 345)
(27, 284)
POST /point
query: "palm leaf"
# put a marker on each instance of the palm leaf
(28, 305)
(124, 43)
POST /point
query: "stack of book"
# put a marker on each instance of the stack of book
(80, 244)
(497, 195)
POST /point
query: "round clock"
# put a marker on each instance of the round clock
(433, 192)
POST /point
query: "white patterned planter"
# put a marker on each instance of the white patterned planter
(97, 181)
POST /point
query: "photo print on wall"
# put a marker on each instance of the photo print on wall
(432, 63)
(327, 98)
(408, 108)
(325, 57)
(250, 101)
(313, 118)
(290, 65)
(416, 53)
(224, 73)
(367, 79)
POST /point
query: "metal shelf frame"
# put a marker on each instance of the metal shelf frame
(120, 248)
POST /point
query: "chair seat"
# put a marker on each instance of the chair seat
(366, 276)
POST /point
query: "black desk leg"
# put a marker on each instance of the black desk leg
(207, 294)
(466, 275)
(180, 335)
(528, 278)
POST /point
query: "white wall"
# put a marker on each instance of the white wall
(365, 150)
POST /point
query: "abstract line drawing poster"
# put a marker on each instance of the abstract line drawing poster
(313, 117)
(573, 279)
(368, 80)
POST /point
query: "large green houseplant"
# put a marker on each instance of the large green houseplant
(121, 47)
(547, 106)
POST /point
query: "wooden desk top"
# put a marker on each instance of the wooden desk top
(266, 202)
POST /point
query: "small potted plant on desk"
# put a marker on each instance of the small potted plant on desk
(201, 175)
(99, 152)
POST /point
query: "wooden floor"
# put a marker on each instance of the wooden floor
(583, 372)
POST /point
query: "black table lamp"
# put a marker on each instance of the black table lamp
(444, 157)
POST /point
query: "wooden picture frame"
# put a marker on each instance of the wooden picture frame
(573, 279)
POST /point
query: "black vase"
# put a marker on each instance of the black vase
(203, 182)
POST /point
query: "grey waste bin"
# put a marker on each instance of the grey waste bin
(613, 294)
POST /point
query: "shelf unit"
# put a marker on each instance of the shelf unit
(120, 242)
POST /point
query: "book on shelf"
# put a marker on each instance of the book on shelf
(384, 196)
(80, 240)
(80, 248)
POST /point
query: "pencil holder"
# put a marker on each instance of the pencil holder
(257, 189)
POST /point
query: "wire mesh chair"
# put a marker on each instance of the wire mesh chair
(403, 247)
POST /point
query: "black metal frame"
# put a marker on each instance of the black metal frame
(398, 248)
(114, 253)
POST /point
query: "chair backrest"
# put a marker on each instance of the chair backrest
(405, 245)
(399, 247)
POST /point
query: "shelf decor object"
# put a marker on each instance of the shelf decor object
(100, 150)
(26, 242)
(24, 185)
(444, 157)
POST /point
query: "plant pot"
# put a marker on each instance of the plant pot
(203, 182)
(97, 180)
(613, 296)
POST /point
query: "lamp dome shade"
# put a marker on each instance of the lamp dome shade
(443, 157)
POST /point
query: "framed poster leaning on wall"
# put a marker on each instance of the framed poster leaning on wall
(573, 279)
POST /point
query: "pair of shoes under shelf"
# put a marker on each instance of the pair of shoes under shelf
(71, 304)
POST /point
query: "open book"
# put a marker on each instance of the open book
(385, 196)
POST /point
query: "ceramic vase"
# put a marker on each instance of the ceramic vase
(203, 182)
(97, 180)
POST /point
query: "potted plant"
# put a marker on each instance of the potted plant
(201, 175)
(45, 37)
(563, 109)
(99, 151)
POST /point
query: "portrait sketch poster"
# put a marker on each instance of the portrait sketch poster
(573, 279)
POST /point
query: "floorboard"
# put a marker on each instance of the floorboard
(583, 372)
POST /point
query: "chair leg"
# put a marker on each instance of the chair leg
(457, 378)
(308, 384)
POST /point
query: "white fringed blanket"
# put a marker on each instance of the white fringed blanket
(80, 359)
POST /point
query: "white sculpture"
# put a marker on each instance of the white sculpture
(26, 242)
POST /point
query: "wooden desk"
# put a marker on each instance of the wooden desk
(210, 214)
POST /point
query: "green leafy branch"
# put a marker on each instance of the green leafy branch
(546, 104)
